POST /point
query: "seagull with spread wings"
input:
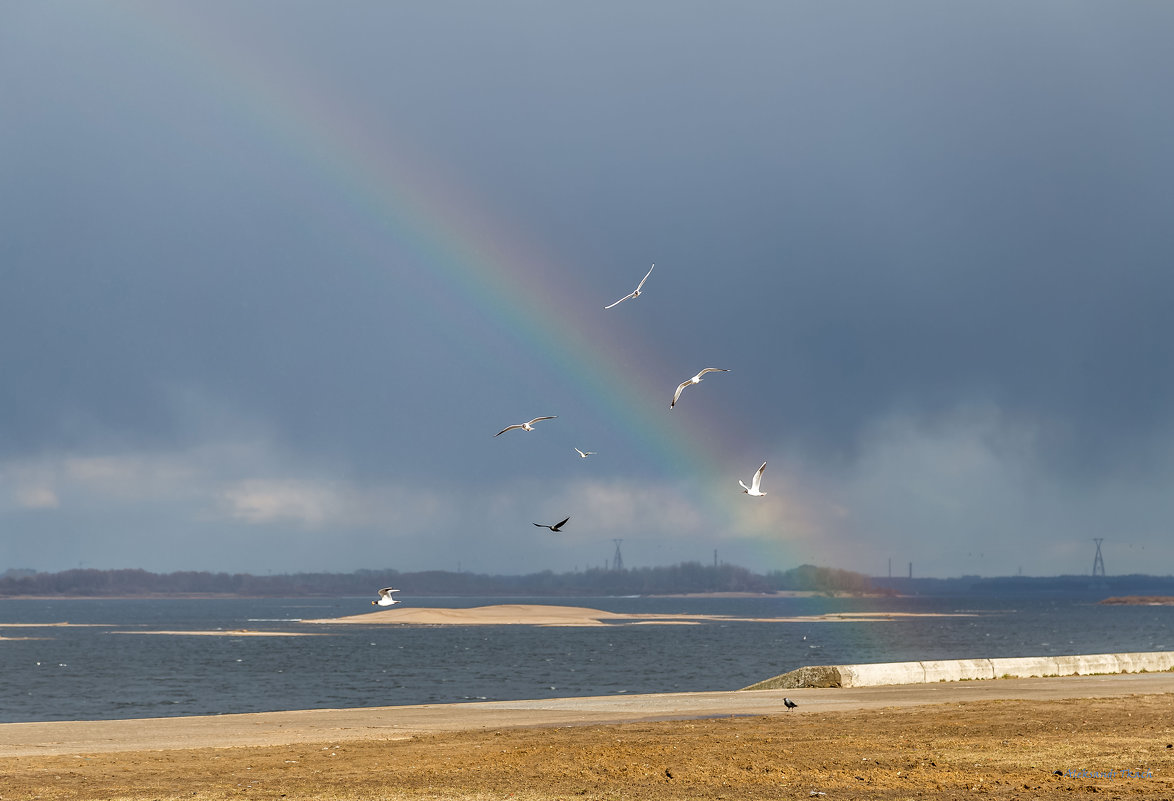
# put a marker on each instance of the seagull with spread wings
(385, 598)
(529, 426)
(638, 290)
(755, 482)
(694, 380)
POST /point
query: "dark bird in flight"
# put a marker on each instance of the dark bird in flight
(556, 527)
(789, 704)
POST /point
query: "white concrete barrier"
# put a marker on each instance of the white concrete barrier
(1087, 665)
(1146, 662)
(1018, 667)
(871, 675)
(958, 669)
(881, 673)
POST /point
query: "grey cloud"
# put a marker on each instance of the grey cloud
(868, 213)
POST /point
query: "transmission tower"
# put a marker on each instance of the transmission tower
(1098, 564)
(617, 561)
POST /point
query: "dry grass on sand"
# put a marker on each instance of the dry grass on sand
(986, 749)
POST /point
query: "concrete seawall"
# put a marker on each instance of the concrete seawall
(872, 675)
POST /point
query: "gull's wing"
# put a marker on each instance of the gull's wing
(507, 428)
(542, 525)
(742, 484)
(536, 419)
(557, 526)
(680, 389)
(712, 370)
(757, 480)
(621, 300)
(640, 285)
(383, 593)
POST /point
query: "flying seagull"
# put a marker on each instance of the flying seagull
(556, 527)
(754, 483)
(635, 294)
(385, 598)
(789, 704)
(524, 426)
(584, 454)
(694, 380)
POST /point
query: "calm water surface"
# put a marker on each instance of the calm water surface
(99, 672)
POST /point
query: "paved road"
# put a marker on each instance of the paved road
(397, 722)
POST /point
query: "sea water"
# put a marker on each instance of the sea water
(99, 671)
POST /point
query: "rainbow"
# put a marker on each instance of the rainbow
(474, 258)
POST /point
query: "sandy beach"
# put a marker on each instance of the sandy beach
(1009, 738)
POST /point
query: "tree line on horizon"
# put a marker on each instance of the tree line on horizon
(687, 577)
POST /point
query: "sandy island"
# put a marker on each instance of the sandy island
(1139, 600)
(544, 615)
(53, 625)
(223, 633)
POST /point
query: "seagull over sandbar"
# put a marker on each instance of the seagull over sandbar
(385, 598)
(556, 527)
(636, 293)
(753, 489)
(524, 426)
(694, 380)
(584, 454)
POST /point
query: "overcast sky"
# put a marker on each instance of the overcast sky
(273, 274)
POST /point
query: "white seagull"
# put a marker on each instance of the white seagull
(524, 426)
(694, 380)
(635, 294)
(385, 598)
(555, 528)
(754, 483)
(584, 454)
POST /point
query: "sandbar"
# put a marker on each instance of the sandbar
(1139, 600)
(53, 625)
(549, 615)
(225, 633)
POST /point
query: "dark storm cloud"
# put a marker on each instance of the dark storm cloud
(880, 209)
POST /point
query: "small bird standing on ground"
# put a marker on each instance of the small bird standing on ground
(385, 598)
(636, 293)
(556, 527)
(789, 704)
(529, 426)
(694, 380)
